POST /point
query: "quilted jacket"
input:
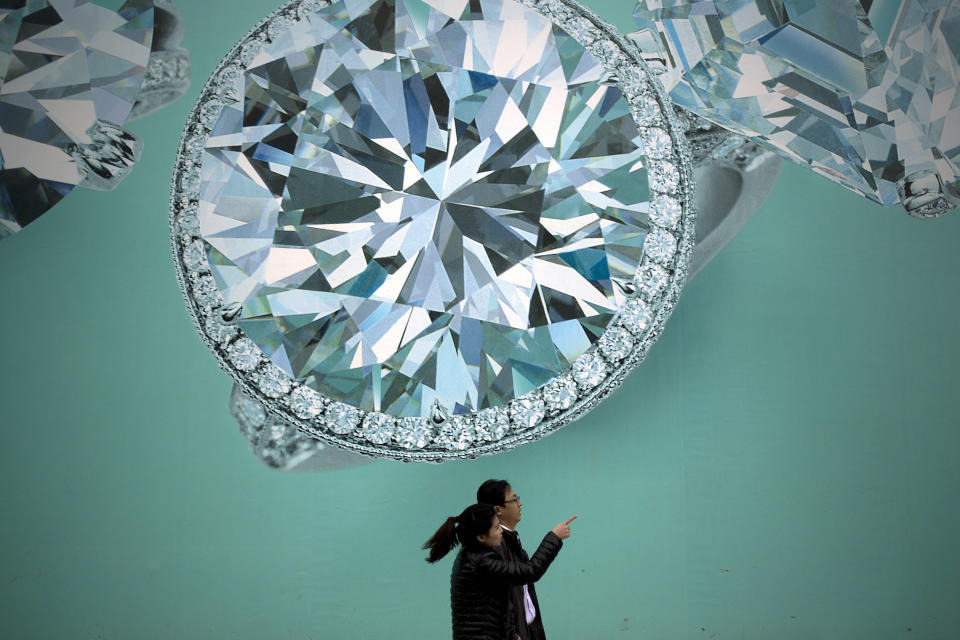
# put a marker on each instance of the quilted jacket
(480, 589)
(511, 548)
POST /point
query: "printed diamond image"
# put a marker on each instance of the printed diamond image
(864, 93)
(424, 202)
(64, 66)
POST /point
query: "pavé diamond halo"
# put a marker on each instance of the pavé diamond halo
(429, 231)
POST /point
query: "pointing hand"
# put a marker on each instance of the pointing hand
(562, 530)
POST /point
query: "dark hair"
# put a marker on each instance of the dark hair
(493, 492)
(474, 521)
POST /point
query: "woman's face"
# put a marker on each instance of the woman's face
(492, 537)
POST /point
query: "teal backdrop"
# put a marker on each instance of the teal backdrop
(784, 465)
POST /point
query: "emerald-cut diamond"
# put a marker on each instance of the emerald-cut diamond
(864, 93)
(425, 203)
(64, 67)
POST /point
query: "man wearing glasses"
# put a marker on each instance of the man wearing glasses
(523, 599)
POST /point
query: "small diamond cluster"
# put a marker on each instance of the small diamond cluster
(649, 298)
(274, 440)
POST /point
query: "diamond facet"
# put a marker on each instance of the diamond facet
(616, 344)
(560, 393)
(378, 428)
(342, 418)
(306, 403)
(410, 193)
(652, 279)
(665, 211)
(273, 382)
(660, 245)
(589, 371)
(414, 433)
(636, 316)
(456, 434)
(527, 412)
(244, 355)
(492, 424)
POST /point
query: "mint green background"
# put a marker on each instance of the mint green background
(784, 465)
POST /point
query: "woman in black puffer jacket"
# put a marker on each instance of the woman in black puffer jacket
(481, 579)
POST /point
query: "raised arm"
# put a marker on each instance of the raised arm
(493, 566)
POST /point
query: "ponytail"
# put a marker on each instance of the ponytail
(442, 541)
(474, 521)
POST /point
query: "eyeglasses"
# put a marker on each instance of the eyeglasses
(513, 499)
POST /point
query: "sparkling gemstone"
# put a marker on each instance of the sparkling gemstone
(205, 290)
(278, 27)
(636, 316)
(589, 371)
(306, 403)
(652, 279)
(660, 245)
(560, 393)
(666, 178)
(273, 382)
(435, 210)
(616, 343)
(229, 77)
(194, 255)
(665, 211)
(250, 50)
(657, 143)
(865, 93)
(244, 355)
(492, 424)
(189, 223)
(378, 428)
(414, 433)
(342, 418)
(193, 142)
(527, 412)
(63, 66)
(608, 51)
(647, 110)
(457, 434)
(582, 29)
(558, 8)
(190, 180)
(210, 112)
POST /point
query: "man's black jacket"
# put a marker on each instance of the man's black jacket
(511, 549)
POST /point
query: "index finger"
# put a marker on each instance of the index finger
(570, 520)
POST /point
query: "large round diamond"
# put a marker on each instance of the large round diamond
(63, 66)
(421, 203)
(864, 93)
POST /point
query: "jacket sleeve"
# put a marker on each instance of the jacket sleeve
(493, 565)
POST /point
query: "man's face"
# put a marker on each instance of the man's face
(510, 511)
